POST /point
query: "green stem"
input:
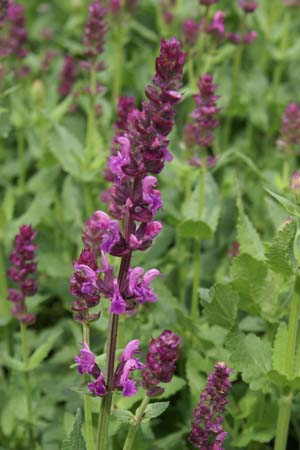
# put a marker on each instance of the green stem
(286, 172)
(284, 45)
(91, 114)
(21, 159)
(197, 250)
(118, 64)
(89, 432)
(283, 421)
(134, 428)
(25, 354)
(293, 333)
(192, 80)
(4, 304)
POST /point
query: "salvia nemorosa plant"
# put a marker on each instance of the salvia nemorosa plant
(133, 202)
(22, 272)
(207, 427)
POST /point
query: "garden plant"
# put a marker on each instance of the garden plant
(149, 224)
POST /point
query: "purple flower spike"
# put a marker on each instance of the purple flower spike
(207, 431)
(67, 76)
(94, 31)
(160, 362)
(190, 32)
(248, 6)
(86, 361)
(217, 27)
(22, 272)
(98, 387)
(289, 140)
(101, 233)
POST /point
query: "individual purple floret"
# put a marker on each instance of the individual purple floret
(289, 140)
(128, 363)
(95, 30)
(161, 362)
(207, 430)
(67, 76)
(101, 233)
(249, 6)
(190, 32)
(217, 26)
(22, 272)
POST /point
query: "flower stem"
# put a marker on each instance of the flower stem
(25, 354)
(21, 158)
(91, 114)
(197, 250)
(105, 407)
(134, 428)
(89, 433)
(285, 402)
(4, 304)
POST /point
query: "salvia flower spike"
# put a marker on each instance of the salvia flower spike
(22, 273)
(161, 362)
(207, 429)
(289, 140)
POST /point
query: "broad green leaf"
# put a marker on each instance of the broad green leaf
(67, 150)
(247, 235)
(195, 229)
(175, 385)
(289, 206)
(123, 416)
(154, 410)
(223, 307)
(280, 349)
(280, 252)
(42, 351)
(211, 209)
(75, 440)
(13, 363)
(250, 355)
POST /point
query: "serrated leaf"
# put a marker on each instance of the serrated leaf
(42, 351)
(280, 349)
(75, 440)
(280, 253)
(247, 235)
(223, 307)
(154, 410)
(123, 416)
(289, 206)
(250, 355)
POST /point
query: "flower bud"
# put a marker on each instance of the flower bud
(37, 91)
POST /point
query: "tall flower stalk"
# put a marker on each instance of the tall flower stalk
(22, 273)
(133, 202)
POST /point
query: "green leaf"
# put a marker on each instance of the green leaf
(252, 356)
(154, 410)
(280, 349)
(280, 253)
(175, 385)
(123, 416)
(289, 206)
(223, 307)
(75, 440)
(247, 236)
(195, 229)
(67, 150)
(42, 351)
(13, 363)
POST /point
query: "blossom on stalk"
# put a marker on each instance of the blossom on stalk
(67, 76)
(22, 272)
(161, 362)
(289, 140)
(249, 6)
(95, 30)
(217, 26)
(190, 32)
(207, 430)
(128, 363)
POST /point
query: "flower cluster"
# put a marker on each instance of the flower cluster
(289, 140)
(22, 272)
(190, 32)
(249, 6)
(94, 31)
(201, 131)
(128, 363)
(15, 42)
(161, 361)
(207, 431)
(67, 76)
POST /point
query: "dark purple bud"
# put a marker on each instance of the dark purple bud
(289, 140)
(248, 6)
(95, 30)
(67, 76)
